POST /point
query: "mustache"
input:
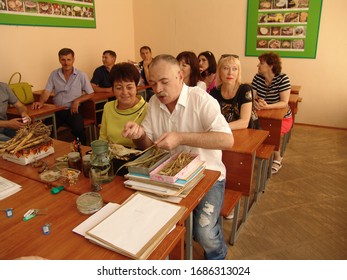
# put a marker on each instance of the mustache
(161, 94)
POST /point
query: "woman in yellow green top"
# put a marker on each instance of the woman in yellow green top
(128, 106)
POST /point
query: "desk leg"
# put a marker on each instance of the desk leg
(189, 237)
(54, 127)
(245, 209)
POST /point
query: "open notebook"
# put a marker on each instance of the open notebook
(137, 227)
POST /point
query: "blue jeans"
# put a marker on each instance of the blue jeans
(6, 134)
(206, 223)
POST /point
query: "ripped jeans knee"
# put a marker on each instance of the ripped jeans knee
(206, 225)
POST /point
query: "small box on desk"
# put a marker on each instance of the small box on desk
(183, 171)
(142, 169)
(31, 154)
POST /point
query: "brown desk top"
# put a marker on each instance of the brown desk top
(97, 96)
(247, 141)
(45, 110)
(276, 114)
(25, 238)
(114, 191)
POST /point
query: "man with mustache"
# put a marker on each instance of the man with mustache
(71, 87)
(183, 118)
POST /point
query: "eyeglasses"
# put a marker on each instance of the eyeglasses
(228, 55)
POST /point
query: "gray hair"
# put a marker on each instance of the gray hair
(165, 57)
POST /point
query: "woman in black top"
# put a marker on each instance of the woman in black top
(235, 98)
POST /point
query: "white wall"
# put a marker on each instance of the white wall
(33, 51)
(172, 26)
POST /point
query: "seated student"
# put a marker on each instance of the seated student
(182, 118)
(189, 65)
(146, 55)
(208, 65)
(101, 76)
(272, 91)
(69, 86)
(128, 106)
(8, 127)
(235, 98)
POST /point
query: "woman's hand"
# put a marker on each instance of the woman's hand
(260, 104)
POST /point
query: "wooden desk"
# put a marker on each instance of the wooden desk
(240, 161)
(271, 120)
(24, 238)
(47, 111)
(115, 191)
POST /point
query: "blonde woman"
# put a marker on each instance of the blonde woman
(234, 98)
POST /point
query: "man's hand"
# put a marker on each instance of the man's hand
(15, 123)
(169, 140)
(74, 106)
(132, 130)
(37, 105)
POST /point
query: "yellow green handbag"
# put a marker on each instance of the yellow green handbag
(22, 90)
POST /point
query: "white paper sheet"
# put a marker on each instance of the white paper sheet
(96, 218)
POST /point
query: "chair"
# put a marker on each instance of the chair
(232, 201)
(88, 112)
(89, 124)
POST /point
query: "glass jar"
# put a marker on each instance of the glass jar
(101, 169)
(74, 160)
(86, 165)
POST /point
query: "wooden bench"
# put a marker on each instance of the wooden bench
(232, 201)
(264, 157)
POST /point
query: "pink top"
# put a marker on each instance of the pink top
(212, 85)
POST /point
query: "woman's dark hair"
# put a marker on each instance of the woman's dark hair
(124, 71)
(212, 64)
(272, 59)
(191, 59)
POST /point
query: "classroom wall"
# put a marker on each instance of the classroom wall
(172, 26)
(33, 51)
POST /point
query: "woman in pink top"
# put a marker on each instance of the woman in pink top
(208, 68)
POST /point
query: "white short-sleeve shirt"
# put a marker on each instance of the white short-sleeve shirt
(195, 111)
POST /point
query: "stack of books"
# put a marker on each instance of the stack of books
(170, 188)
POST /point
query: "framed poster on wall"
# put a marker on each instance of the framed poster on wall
(288, 27)
(68, 13)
